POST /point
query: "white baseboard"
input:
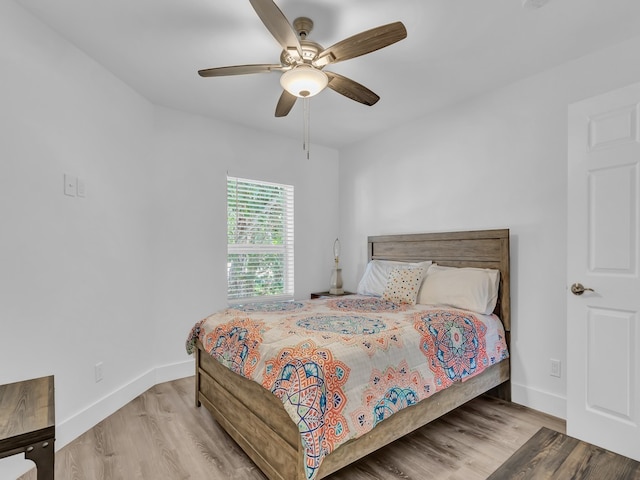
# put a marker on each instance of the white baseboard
(71, 428)
(74, 426)
(174, 371)
(14, 466)
(546, 402)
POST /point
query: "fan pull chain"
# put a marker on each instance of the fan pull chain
(306, 146)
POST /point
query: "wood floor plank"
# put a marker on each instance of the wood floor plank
(552, 455)
(160, 435)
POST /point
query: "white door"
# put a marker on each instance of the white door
(603, 325)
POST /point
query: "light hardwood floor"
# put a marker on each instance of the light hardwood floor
(161, 435)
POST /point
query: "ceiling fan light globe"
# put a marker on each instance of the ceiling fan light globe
(304, 81)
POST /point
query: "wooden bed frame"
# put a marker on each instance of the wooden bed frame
(256, 419)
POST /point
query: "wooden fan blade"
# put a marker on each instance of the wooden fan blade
(285, 104)
(240, 70)
(351, 89)
(278, 25)
(362, 43)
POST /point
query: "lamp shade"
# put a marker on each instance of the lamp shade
(304, 81)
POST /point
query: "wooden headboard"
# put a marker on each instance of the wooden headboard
(480, 248)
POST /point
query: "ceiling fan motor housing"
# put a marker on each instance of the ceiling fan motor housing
(310, 51)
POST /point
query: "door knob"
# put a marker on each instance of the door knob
(579, 289)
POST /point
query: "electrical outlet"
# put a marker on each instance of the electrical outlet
(70, 185)
(98, 371)
(555, 368)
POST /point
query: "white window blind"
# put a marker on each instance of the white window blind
(259, 241)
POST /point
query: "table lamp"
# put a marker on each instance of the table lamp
(336, 274)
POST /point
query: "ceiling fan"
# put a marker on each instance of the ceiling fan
(302, 61)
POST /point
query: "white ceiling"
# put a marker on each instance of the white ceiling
(455, 49)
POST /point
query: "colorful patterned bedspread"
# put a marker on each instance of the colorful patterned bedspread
(342, 365)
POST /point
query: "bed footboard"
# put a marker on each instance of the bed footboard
(257, 421)
(251, 415)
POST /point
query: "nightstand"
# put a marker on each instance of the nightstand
(328, 295)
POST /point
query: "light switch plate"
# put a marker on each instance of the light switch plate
(81, 188)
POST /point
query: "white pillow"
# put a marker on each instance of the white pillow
(375, 277)
(474, 289)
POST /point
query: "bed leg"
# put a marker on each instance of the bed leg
(197, 362)
(502, 391)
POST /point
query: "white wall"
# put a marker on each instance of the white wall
(121, 275)
(192, 157)
(492, 162)
(74, 283)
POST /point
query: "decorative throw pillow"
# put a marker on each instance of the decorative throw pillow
(403, 285)
(375, 277)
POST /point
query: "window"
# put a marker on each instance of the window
(259, 241)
